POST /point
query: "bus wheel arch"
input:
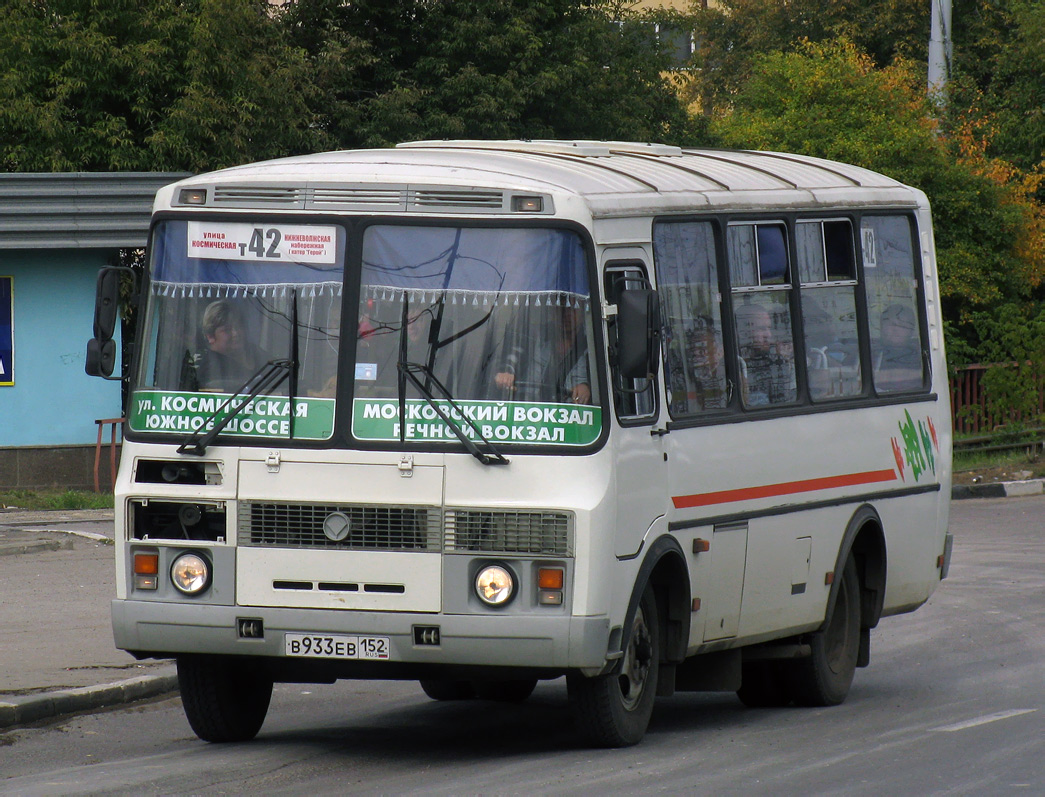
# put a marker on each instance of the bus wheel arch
(665, 570)
(842, 642)
(614, 709)
(864, 539)
(823, 678)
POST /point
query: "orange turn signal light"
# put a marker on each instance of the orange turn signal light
(550, 577)
(146, 564)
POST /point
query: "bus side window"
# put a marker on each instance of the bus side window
(891, 281)
(760, 278)
(827, 268)
(691, 307)
(634, 398)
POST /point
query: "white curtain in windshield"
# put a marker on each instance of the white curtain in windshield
(491, 313)
(222, 299)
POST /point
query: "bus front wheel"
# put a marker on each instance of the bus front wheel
(225, 698)
(824, 678)
(614, 710)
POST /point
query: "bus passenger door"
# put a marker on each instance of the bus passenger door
(638, 443)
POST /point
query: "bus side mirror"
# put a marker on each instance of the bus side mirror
(101, 357)
(638, 333)
(106, 303)
(101, 349)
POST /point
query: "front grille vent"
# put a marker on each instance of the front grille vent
(259, 196)
(368, 528)
(543, 533)
(389, 197)
(358, 198)
(435, 198)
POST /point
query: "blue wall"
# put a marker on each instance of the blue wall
(53, 402)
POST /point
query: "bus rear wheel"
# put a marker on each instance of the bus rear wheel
(614, 710)
(225, 698)
(824, 678)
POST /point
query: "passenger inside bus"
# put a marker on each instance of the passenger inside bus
(767, 358)
(378, 347)
(695, 371)
(898, 357)
(230, 358)
(550, 363)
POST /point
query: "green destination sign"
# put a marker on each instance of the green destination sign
(499, 421)
(264, 417)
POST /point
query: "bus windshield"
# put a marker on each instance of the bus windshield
(226, 298)
(493, 324)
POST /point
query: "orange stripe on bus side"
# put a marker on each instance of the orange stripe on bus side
(786, 488)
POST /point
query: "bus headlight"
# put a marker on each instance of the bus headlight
(494, 585)
(190, 574)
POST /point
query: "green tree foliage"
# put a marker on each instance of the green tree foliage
(998, 46)
(200, 84)
(735, 33)
(830, 101)
(487, 69)
(1012, 336)
(148, 85)
(1001, 73)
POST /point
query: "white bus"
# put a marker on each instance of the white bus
(483, 413)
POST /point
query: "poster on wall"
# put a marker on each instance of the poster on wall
(7, 331)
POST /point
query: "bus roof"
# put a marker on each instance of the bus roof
(611, 178)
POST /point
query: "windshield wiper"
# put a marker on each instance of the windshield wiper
(295, 361)
(408, 371)
(268, 377)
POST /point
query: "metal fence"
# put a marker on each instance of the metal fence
(970, 409)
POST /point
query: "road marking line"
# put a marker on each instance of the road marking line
(1001, 715)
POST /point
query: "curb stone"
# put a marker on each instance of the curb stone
(999, 489)
(20, 710)
(35, 546)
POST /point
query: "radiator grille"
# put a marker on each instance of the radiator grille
(543, 533)
(370, 528)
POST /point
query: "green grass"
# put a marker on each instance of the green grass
(34, 500)
(1011, 460)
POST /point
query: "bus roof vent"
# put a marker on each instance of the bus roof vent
(586, 149)
(358, 197)
(451, 199)
(259, 196)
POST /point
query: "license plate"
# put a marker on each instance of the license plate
(336, 646)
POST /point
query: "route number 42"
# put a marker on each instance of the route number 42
(257, 245)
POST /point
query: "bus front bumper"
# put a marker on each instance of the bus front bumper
(161, 630)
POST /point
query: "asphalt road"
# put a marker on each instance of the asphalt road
(953, 703)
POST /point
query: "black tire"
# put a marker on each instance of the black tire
(763, 684)
(442, 689)
(824, 678)
(507, 691)
(614, 710)
(225, 698)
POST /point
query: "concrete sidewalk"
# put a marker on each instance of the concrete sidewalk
(57, 578)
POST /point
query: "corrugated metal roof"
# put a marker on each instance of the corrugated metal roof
(56, 210)
(612, 177)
